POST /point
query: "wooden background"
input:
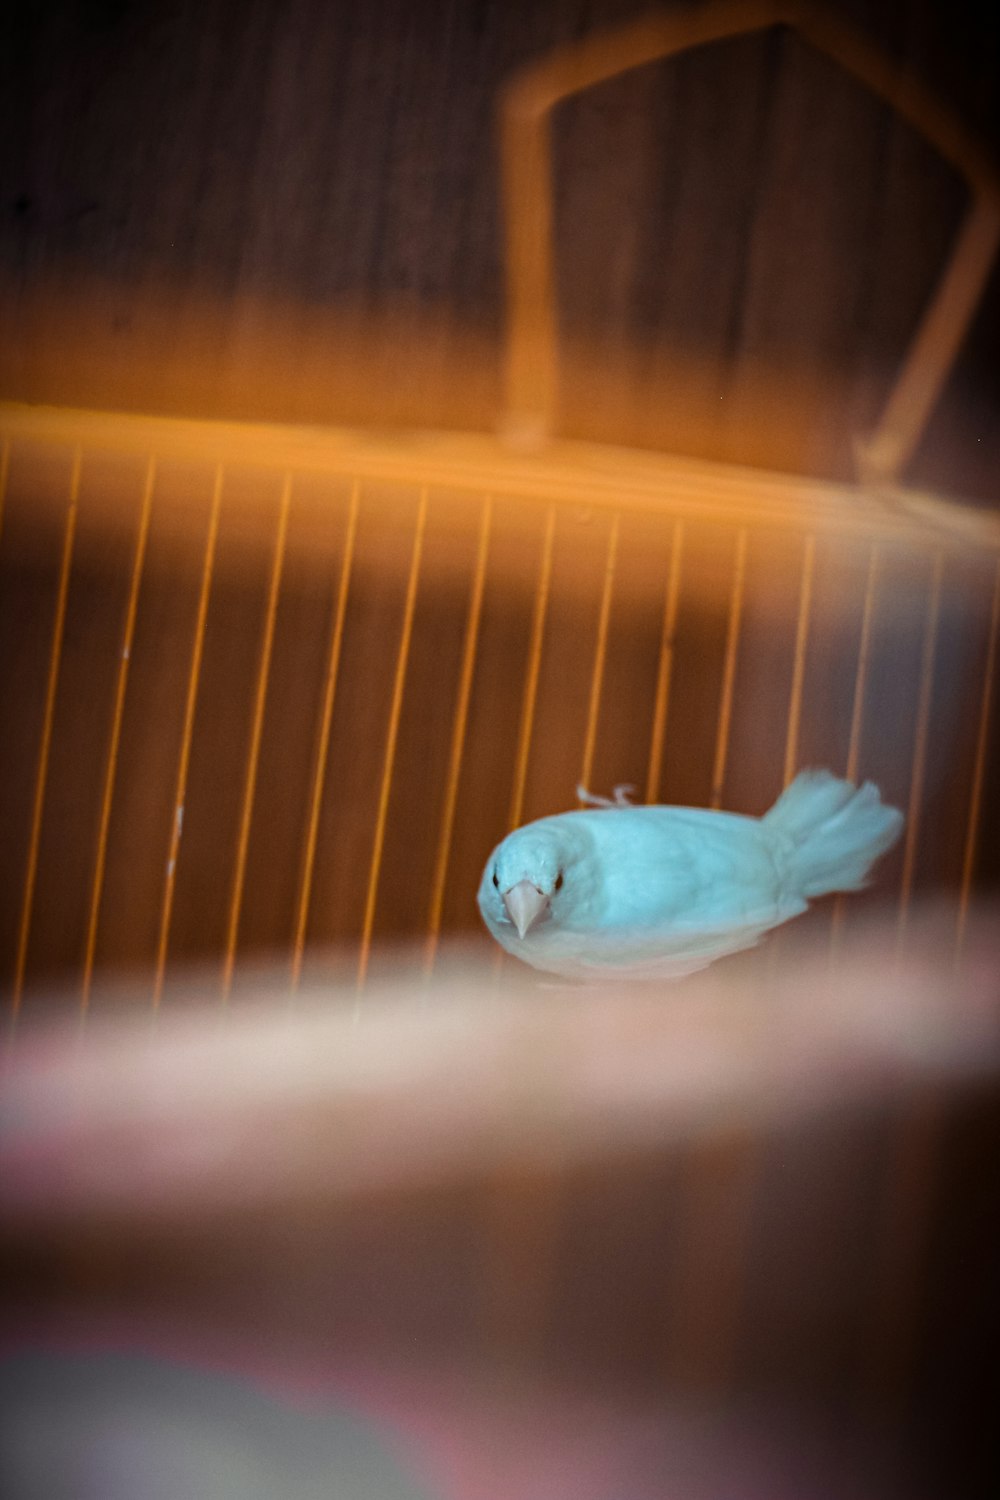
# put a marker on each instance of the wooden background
(290, 211)
(289, 208)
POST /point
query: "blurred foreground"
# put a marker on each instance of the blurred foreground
(479, 1237)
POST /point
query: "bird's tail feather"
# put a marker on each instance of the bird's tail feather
(837, 830)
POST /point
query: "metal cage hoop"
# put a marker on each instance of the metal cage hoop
(526, 105)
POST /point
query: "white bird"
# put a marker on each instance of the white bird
(618, 891)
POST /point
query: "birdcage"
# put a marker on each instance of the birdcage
(276, 690)
(281, 689)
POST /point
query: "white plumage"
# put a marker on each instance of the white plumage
(658, 892)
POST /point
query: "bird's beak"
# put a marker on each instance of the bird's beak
(525, 904)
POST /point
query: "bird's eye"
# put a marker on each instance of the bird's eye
(496, 882)
(559, 881)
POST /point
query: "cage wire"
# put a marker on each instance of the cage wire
(277, 690)
(274, 689)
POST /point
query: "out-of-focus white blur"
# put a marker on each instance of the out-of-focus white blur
(390, 1243)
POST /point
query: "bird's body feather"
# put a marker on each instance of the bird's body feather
(648, 892)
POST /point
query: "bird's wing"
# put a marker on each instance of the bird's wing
(687, 870)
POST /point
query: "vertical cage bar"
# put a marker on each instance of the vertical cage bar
(979, 770)
(709, 1275)
(799, 665)
(600, 653)
(45, 744)
(522, 1214)
(180, 790)
(458, 736)
(857, 711)
(4, 473)
(323, 736)
(661, 705)
(402, 658)
(124, 662)
(918, 767)
(887, 1352)
(253, 755)
(729, 669)
(861, 670)
(533, 669)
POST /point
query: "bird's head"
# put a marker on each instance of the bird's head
(527, 873)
